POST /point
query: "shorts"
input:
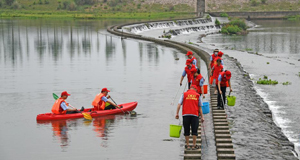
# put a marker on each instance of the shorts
(190, 122)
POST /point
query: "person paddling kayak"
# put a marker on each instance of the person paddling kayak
(190, 56)
(214, 74)
(191, 107)
(101, 99)
(187, 71)
(198, 80)
(62, 107)
(223, 80)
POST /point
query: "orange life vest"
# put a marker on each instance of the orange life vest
(190, 103)
(56, 109)
(196, 81)
(98, 103)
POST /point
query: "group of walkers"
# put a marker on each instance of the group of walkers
(100, 102)
(191, 100)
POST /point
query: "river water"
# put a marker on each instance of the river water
(39, 57)
(277, 43)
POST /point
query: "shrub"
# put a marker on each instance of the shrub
(105, 7)
(217, 22)
(139, 6)
(46, 2)
(286, 83)
(1, 4)
(239, 22)
(254, 2)
(223, 15)
(40, 2)
(16, 5)
(208, 17)
(263, 1)
(9, 2)
(233, 29)
(171, 8)
(72, 6)
(66, 4)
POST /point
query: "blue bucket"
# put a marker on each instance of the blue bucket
(205, 107)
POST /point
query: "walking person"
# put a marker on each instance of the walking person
(223, 83)
(198, 80)
(187, 71)
(214, 74)
(191, 108)
(190, 56)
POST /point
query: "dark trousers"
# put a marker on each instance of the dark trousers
(190, 122)
(72, 112)
(220, 103)
(110, 107)
(189, 85)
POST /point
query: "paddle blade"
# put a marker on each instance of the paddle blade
(87, 116)
(55, 96)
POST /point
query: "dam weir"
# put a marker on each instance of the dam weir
(222, 137)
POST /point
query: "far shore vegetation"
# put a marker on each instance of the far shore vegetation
(93, 9)
(236, 26)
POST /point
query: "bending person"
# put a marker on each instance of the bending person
(101, 99)
(191, 107)
(187, 71)
(223, 81)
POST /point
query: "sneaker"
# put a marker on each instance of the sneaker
(219, 107)
(82, 108)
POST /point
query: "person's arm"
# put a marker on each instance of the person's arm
(200, 109)
(178, 106)
(211, 71)
(201, 85)
(222, 62)
(195, 62)
(183, 75)
(230, 85)
(65, 107)
(106, 100)
(219, 83)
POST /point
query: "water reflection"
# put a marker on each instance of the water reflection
(274, 37)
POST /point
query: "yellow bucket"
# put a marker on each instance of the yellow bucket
(231, 100)
(175, 130)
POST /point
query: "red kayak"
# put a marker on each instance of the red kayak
(50, 116)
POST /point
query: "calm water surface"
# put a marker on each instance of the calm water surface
(39, 57)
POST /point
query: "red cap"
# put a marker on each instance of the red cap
(193, 70)
(189, 53)
(228, 75)
(64, 93)
(189, 61)
(105, 90)
(220, 54)
(194, 86)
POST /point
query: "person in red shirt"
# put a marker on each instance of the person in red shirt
(191, 107)
(214, 74)
(198, 80)
(187, 71)
(190, 56)
(223, 80)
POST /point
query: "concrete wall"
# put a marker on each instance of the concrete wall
(259, 15)
(200, 7)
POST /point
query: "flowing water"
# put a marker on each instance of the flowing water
(271, 49)
(39, 57)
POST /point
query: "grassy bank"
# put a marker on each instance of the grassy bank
(93, 15)
(93, 9)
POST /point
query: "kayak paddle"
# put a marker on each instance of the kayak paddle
(85, 115)
(117, 105)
